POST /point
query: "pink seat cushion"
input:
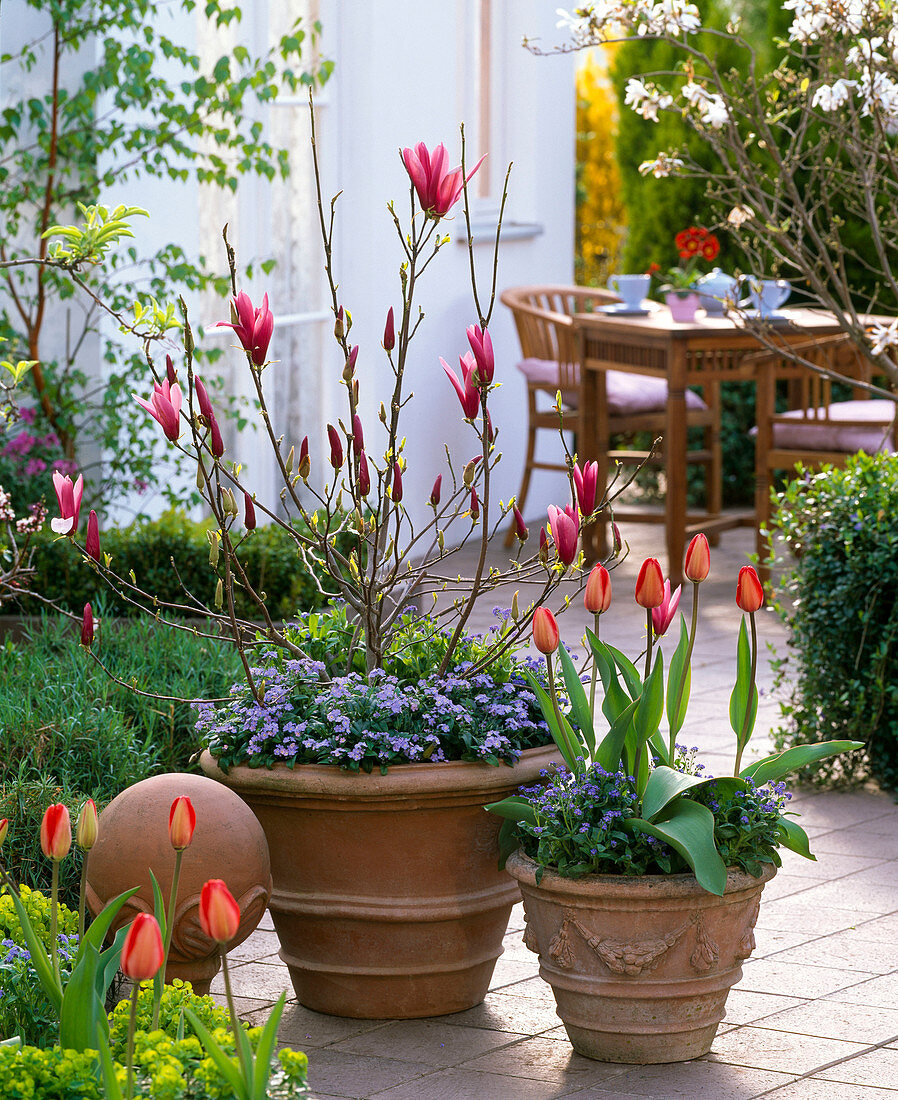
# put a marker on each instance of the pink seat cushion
(627, 393)
(826, 435)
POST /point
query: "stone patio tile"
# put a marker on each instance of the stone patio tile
(513, 948)
(887, 825)
(543, 1059)
(881, 992)
(852, 841)
(884, 873)
(503, 1011)
(339, 1073)
(795, 915)
(770, 941)
(468, 1084)
(266, 923)
(878, 1068)
(508, 970)
(428, 1041)
(838, 1020)
(247, 1007)
(306, 1030)
(863, 897)
(258, 980)
(533, 989)
(815, 1088)
(260, 945)
(745, 1007)
(784, 886)
(764, 1048)
(796, 979)
(847, 948)
(699, 1080)
(827, 867)
(841, 809)
(879, 929)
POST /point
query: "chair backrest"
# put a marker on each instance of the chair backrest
(542, 316)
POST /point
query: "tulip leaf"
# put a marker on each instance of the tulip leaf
(100, 925)
(111, 1088)
(795, 838)
(744, 700)
(651, 703)
(40, 960)
(616, 699)
(660, 747)
(161, 920)
(608, 754)
(629, 671)
(81, 1015)
(514, 808)
(109, 960)
(664, 785)
(690, 830)
(265, 1049)
(224, 1063)
(678, 684)
(773, 768)
(562, 732)
(579, 703)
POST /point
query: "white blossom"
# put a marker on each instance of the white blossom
(865, 52)
(883, 336)
(830, 97)
(694, 94)
(879, 94)
(739, 215)
(645, 99)
(714, 112)
(662, 165)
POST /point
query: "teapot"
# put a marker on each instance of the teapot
(715, 289)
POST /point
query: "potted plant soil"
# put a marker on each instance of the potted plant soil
(641, 875)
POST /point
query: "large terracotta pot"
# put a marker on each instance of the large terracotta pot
(640, 966)
(388, 900)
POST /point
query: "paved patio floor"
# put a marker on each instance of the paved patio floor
(815, 1016)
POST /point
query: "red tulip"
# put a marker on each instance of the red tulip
(586, 482)
(698, 559)
(142, 951)
(565, 533)
(92, 542)
(482, 347)
(435, 491)
(87, 626)
(650, 584)
(749, 590)
(663, 614)
(219, 912)
(597, 597)
(437, 187)
(389, 340)
(181, 823)
(164, 406)
(468, 393)
(254, 326)
(520, 528)
(336, 447)
(4, 829)
(69, 498)
(545, 630)
(88, 826)
(56, 832)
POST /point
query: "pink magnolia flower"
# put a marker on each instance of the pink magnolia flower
(565, 532)
(586, 482)
(164, 405)
(69, 497)
(482, 347)
(663, 614)
(437, 187)
(466, 388)
(520, 527)
(254, 326)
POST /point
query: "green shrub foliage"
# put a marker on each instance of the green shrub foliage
(842, 668)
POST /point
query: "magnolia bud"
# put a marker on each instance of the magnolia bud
(349, 368)
(249, 512)
(389, 340)
(305, 463)
(339, 329)
(515, 610)
(219, 594)
(470, 471)
(336, 447)
(228, 503)
(435, 491)
(214, 544)
(475, 506)
(396, 487)
(170, 371)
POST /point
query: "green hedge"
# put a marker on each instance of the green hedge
(269, 555)
(842, 668)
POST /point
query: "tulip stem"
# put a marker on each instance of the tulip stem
(54, 917)
(82, 896)
(752, 694)
(648, 645)
(169, 929)
(235, 1022)
(132, 1026)
(595, 673)
(681, 687)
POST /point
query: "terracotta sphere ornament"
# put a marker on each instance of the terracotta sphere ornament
(228, 844)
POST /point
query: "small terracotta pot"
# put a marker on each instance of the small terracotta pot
(682, 306)
(388, 900)
(640, 966)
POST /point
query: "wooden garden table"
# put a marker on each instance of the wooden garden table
(704, 352)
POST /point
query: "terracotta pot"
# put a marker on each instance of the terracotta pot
(640, 966)
(228, 843)
(388, 900)
(682, 306)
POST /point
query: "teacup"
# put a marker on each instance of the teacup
(767, 295)
(631, 288)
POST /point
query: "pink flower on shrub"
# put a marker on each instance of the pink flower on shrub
(254, 326)
(164, 406)
(438, 188)
(466, 387)
(565, 532)
(69, 498)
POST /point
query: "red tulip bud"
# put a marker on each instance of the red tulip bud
(520, 528)
(249, 512)
(435, 491)
(364, 475)
(88, 826)
(597, 597)
(4, 829)
(545, 630)
(142, 951)
(92, 542)
(87, 626)
(219, 912)
(396, 487)
(389, 341)
(698, 559)
(181, 823)
(336, 447)
(749, 590)
(650, 584)
(56, 832)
